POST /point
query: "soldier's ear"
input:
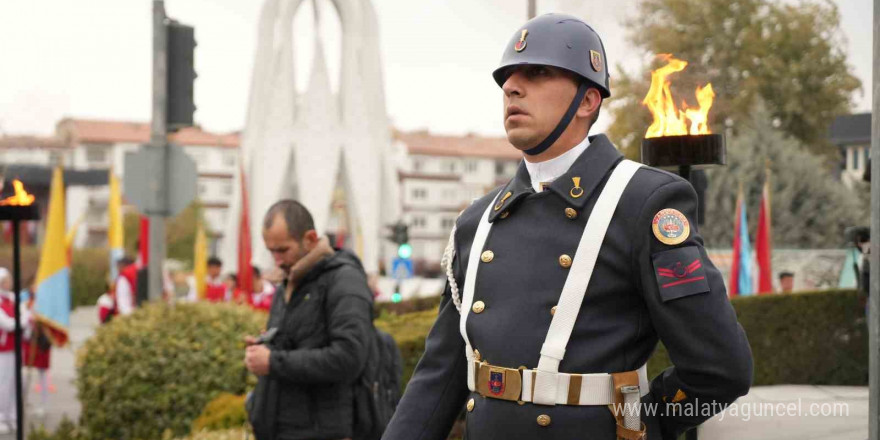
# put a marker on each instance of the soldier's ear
(589, 106)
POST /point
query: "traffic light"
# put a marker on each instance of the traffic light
(399, 233)
(181, 75)
(404, 251)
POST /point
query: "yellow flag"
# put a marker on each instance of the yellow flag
(200, 262)
(114, 210)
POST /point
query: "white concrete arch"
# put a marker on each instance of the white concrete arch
(294, 144)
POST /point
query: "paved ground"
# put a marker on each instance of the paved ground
(63, 402)
(784, 412)
(789, 412)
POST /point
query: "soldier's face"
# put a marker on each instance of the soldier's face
(285, 250)
(535, 99)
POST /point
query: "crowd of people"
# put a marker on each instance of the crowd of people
(36, 351)
(123, 296)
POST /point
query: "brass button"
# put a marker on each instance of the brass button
(544, 420)
(487, 256)
(477, 356)
(553, 311)
(571, 213)
(565, 261)
(504, 214)
(470, 405)
(478, 307)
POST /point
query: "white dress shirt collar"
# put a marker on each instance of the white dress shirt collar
(548, 170)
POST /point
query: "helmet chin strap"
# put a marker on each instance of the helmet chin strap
(563, 123)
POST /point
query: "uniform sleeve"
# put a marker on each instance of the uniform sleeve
(691, 313)
(350, 327)
(124, 298)
(437, 391)
(7, 323)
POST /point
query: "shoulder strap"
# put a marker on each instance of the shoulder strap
(470, 279)
(575, 287)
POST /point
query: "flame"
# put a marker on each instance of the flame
(21, 197)
(669, 120)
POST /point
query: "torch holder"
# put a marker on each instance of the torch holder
(19, 213)
(16, 214)
(690, 151)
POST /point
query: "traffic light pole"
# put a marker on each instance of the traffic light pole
(874, 256)
(158, 141)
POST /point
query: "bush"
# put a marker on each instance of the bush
(409, 332)
(89, 273)
(410, 305)
(224, 412)
(817, 338)
(229, 434)
(66, 430)
(155, 371)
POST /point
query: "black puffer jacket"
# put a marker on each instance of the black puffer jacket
(318, 353)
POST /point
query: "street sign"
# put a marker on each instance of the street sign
(401, 268)
(160, 180)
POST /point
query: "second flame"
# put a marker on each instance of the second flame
(668, 119)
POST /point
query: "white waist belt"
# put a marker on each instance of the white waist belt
(594, 388)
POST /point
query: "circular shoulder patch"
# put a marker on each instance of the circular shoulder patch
(670, 226)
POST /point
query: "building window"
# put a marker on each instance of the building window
(470, 166)
(419, 193)
(451, 167)
(447, 223)
(229, 159)
(867, 151)
(449, 194)
(855, 155)
(96, 155)
(419, 222)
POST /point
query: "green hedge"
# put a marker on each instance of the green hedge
(805, 338)
(88, 271)
(817, 338)
(226, 411)
(153, 372)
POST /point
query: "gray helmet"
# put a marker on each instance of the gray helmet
(558, 40)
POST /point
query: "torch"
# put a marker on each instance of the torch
(680, 138)
(17, 208)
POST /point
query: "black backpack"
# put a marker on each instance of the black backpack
(377, 391)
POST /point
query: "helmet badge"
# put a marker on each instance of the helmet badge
(521, 44)
(596, 60)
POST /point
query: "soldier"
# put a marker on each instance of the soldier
(561, 282)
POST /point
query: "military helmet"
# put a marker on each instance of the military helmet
(558, 40)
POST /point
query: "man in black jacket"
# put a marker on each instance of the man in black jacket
(322, 317)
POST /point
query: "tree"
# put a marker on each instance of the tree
(180, 232)
(788, 55)
(810, 208)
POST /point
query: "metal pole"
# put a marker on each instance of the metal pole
(158, 140)
(532, 9)
(874, 257)
(16, 287)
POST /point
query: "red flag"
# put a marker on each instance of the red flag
(143, 259)
(245, 270)
(733, 280)
(764, 245)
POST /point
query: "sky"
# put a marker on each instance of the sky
(92, 59)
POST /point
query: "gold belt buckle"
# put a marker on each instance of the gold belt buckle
(499, 382)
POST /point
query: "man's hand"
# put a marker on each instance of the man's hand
(256, 359)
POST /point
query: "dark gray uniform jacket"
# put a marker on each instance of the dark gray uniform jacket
(626, 310)
(318, 353)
